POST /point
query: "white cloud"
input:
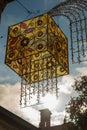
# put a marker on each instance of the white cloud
(82, 71)
(5, 78)
(85, 63)
(57, 118)
(66, 85)
(9, 95)
(10, 99)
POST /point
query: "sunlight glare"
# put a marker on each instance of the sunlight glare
(50, 101)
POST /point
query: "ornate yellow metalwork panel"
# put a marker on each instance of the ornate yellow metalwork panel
(37, 49)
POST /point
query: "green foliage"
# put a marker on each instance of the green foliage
(77, 107)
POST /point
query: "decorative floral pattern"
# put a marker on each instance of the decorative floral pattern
(37, 49)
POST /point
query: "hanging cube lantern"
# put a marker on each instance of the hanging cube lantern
(37, 49)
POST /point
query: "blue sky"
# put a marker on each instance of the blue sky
(10, 82)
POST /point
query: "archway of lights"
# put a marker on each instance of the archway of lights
(76, 12)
